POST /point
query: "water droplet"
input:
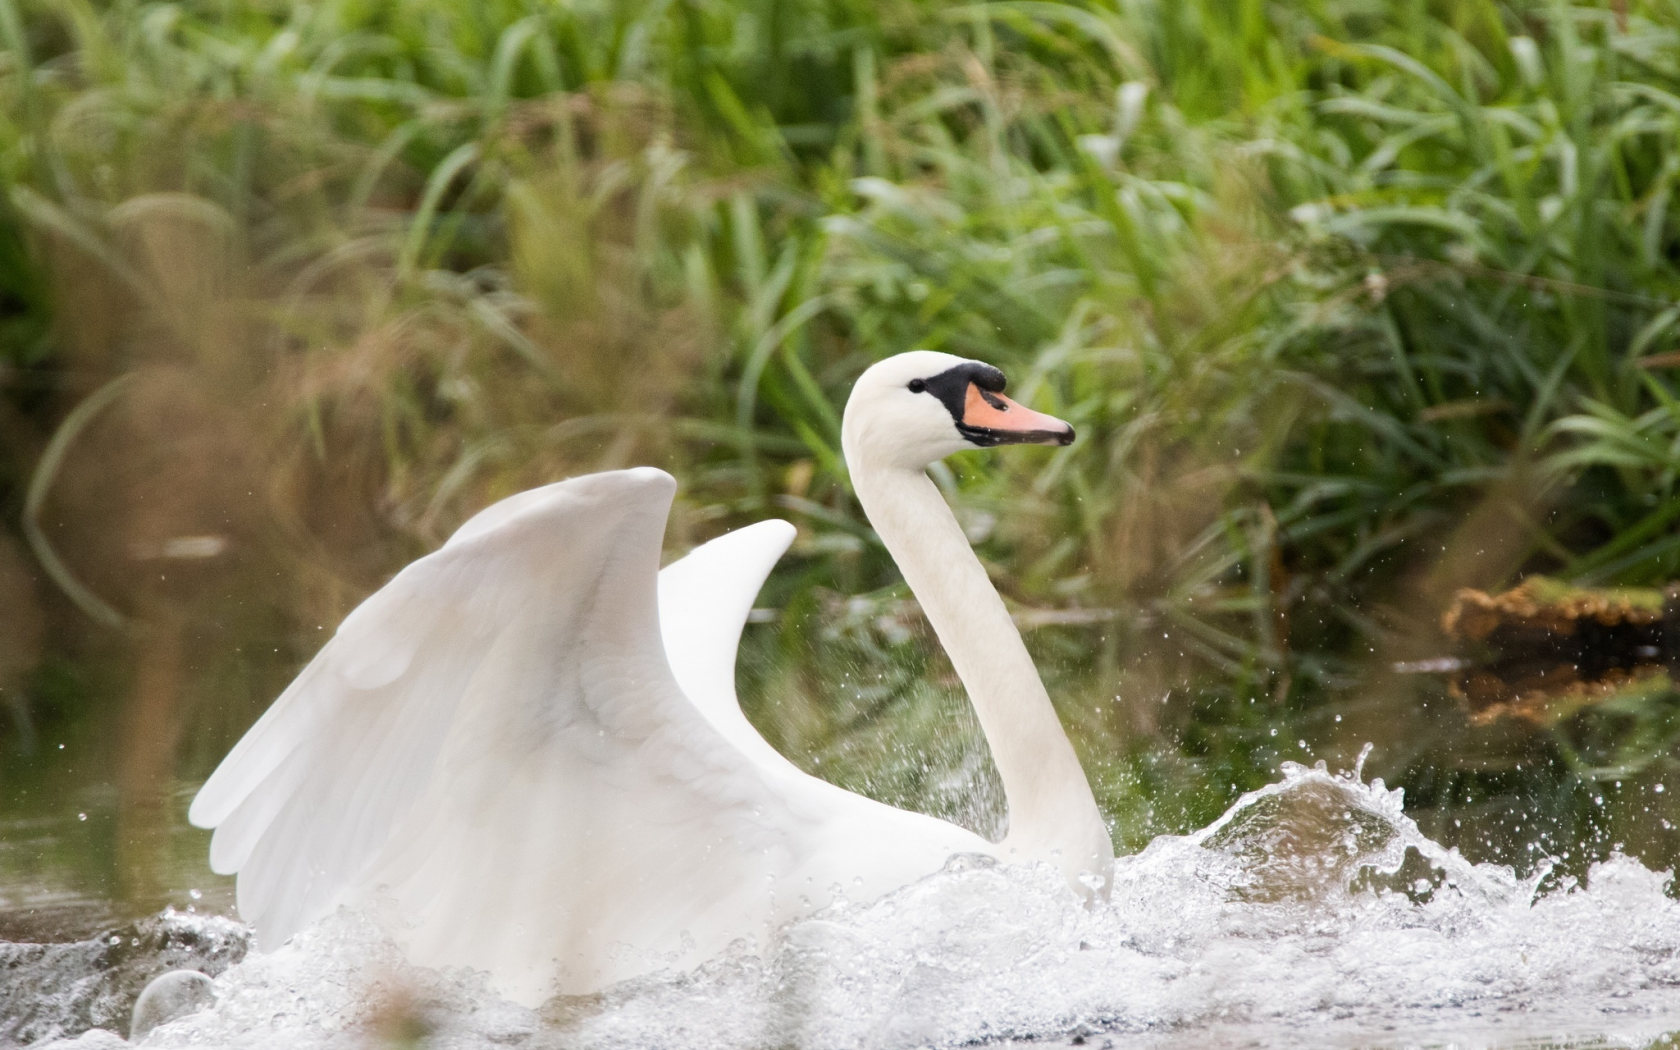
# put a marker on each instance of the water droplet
(81, 816)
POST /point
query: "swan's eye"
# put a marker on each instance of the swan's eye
(917, 386)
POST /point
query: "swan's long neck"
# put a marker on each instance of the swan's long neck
(1052, 814)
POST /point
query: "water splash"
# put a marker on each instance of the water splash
(1313, 912)
(48, 990)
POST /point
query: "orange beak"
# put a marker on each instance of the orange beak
(991, 419)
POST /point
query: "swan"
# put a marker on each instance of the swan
(526, 755)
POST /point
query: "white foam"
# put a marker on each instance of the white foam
(1312, 913)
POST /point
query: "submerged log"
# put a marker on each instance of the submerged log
(1544, 650)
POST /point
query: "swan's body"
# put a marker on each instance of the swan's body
(530, 755)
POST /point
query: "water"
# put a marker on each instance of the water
(1313, 913)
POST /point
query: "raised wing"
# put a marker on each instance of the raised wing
(867, 846)
(493, 746)
(704, 600)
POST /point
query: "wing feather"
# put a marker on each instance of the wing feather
(704, 600)
(493, 751)
(515, 668)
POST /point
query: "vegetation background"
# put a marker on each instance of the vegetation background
(1353, 303)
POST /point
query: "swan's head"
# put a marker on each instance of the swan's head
(910, 410)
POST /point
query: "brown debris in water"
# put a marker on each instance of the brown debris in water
(1547, 699)
(1544, 650)
(1542, 604)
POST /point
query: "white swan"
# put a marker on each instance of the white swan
(531, 758)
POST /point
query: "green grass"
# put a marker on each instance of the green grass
(1352, 304)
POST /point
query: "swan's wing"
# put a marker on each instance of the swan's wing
(372, 649)
(704, 599)
(494, 742)
(493, 750)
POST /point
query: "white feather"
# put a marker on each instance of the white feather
(495, 745)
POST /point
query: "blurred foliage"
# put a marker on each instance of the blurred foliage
(1352, 303)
